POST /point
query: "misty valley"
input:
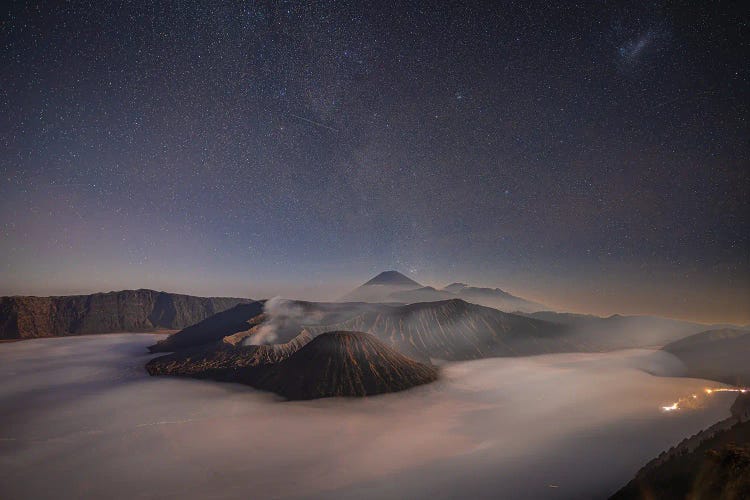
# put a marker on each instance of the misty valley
(366, 399)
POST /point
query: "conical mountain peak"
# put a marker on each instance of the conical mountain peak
(392, 278)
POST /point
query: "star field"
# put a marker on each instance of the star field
(591, 156)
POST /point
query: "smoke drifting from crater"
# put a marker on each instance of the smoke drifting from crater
(278, 311)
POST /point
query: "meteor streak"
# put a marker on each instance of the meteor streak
(313, 122)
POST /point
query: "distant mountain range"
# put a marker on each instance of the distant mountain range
(621, 332)
(392, 286)
(722, 355)
(256, 343)
(24, 317)
(449, 330)
(198, 318)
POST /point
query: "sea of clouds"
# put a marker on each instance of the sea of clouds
(80, 418)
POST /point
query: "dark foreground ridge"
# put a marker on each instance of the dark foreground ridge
(23, 317)
(341, 364)
(713, 464)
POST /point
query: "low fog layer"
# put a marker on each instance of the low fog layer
(79, 417)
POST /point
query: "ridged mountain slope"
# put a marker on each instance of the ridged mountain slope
(340, 364)
(456, 330)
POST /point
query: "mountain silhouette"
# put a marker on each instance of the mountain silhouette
(380, 287)
(392, 278)
(493, 297)
(392, 286)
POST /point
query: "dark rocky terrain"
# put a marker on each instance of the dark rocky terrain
(713, 464)
(332, 364)
(23, 317)
(339, 364)
(240, 318)
(221, 360)
(316, 363)
(722, 355)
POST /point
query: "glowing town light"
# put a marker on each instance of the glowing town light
(672, 407)
(694, 401)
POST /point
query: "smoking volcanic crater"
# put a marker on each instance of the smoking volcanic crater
(333, 364)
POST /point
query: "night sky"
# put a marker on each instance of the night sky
(592, 157)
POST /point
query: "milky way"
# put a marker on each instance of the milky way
(587, 157)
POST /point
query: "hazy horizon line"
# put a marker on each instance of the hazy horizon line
(73, 291)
